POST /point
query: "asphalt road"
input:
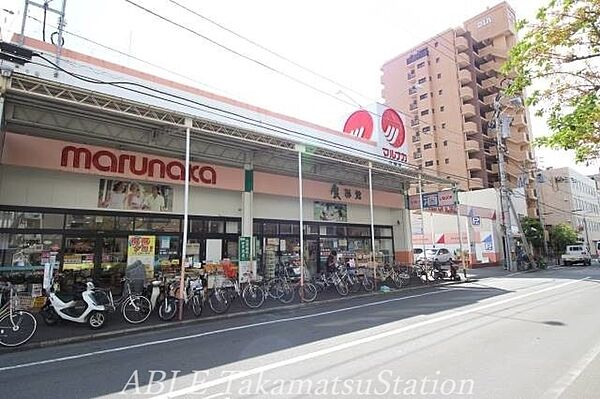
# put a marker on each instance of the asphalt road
(533, 335)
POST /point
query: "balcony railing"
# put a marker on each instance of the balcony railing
(416, 138)
(412, 90)
(414, 122)
(417, 155)
(412, 106)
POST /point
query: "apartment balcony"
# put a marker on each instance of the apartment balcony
(489, 83)
(474, 164)
(471, 146)
(466, 93)
(470, 128)
(462, 59)
(412, 91)
(489, 66)
(416, 138)
(411, 76)
(412, 106)
(464, 76)
(468, 110)
(519, 120)
(493, 169)
(512, 170)
(491, 50)
(417, 155)
(461, 43)
(489, 115)
(475, 182)
(414, 122)
(489, 99)
(518, 136)
(491, 151)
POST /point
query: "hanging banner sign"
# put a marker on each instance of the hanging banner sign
(432, 200)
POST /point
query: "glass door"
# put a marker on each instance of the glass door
(113, 261)
(78, 261)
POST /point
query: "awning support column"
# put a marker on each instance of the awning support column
(186, 197)
(300, 151)
(372, 222)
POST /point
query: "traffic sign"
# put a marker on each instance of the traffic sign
(476, 221)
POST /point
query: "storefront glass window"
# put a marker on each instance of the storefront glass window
(384, 250)
(271, 229)
(359, 231)
(232, 227)
(125, 223)
(257, 228)
(78, 261)
(289, 228)
(90, 222)
(311, 229)
(231, 250)
(29, 251)
(113, 261)
(195, 251)
(383, 231)
(167, 253)
(338, 231)
(209, 226)
(31, 220)
(156, 224)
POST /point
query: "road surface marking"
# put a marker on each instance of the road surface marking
(569, 378)
(223, 330)
(351, 344)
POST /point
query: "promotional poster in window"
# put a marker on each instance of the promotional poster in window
(133, 195)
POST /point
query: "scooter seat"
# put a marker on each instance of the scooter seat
(64, 297)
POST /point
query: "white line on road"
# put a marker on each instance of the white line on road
(351, 344)
(569, 378)
(223, 330)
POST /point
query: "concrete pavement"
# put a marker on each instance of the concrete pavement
(529, 335)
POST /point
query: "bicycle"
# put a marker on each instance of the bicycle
(306, 291)
(223, 296)
(389, 273)
(193, 296)
(135, 308)
(333, 278)
(17, 326)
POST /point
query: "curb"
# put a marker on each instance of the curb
(184, 323)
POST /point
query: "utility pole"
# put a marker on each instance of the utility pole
(504, 192)
(538, 194)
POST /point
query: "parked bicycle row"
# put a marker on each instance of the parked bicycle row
(91, 305)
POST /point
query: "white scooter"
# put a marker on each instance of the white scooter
(84, 308)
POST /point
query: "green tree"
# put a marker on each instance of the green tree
(561, 50)
(534, 231)
(562, 235)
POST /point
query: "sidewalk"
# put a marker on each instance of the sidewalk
(66, 332)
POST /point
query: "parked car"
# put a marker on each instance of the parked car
(436, 255)
(576, 254)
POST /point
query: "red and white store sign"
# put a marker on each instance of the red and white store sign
(42, 153)
(51, 154)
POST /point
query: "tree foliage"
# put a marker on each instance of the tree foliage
(562, 235)
(561, 49)
(533, 230)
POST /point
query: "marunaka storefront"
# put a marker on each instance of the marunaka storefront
(91, 210)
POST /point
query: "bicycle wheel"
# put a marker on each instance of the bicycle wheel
(367, 284)
(136, 309)
(353, 283)
(196, 305)
(167, 308)
(289, 292)
(340, 287)
(18, 328)
(219, 301)
(253, 296)
(308, 292)
(276, 287)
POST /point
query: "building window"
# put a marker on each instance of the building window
(427, 146)
(442, 108)
(437, 59)
(423, 96)
(422, 80)
(440, 91)
(443, 125)
(426, 129)
(439, 75)
(437, 162)
(447, 160)
(425, 112)
(436, 44)
(428, 163)
(445, 143)
(420, 65)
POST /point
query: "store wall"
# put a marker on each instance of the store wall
(286, 208)
(35, 187)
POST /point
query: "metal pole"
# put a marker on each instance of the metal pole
(301, 217)
(587, 236)
(538, 194)
(422, 219)
(460, 243)
(503, 187)
(372, 219)
(23, 22)
(468, 228)
(432, 229)
(186, 195)
(61, 27)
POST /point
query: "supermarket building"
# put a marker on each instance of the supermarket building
(85, 167)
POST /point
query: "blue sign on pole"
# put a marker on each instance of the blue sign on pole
(476, 221)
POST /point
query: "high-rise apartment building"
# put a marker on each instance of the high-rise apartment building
(446, 88)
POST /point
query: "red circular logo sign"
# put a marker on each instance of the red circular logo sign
(393, 128)
(360, 124)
